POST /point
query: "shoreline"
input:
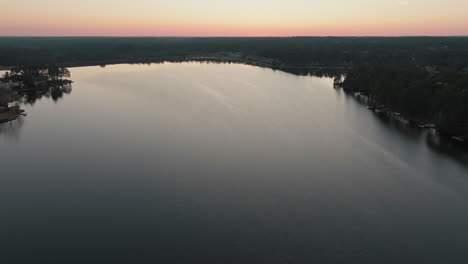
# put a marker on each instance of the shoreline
(416, 122)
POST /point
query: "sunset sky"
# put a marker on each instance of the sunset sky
(233, 18)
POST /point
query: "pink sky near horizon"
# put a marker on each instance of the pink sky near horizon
(243, 18)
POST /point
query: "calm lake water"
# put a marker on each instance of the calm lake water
(220, 163)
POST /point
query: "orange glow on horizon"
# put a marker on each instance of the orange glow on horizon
(247, 18)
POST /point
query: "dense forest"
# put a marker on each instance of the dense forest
(425, 78)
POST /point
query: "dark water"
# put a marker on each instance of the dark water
(210, 163)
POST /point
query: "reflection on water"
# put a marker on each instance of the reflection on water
(55, 93)
(218, 163)
(11, 130)
(437, 143)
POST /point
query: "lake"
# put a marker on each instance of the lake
(223, 163)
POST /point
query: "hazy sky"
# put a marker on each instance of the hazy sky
(233, 17)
